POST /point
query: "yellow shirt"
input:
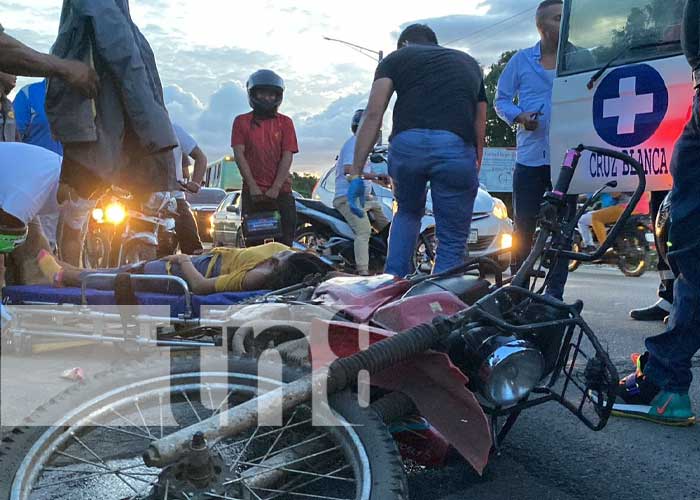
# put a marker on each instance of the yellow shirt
(236, 262)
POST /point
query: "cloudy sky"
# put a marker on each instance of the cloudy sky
(207, 48)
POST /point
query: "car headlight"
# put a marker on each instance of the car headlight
(507, 240)
(511, 368)
(115, 213)
(499, 209)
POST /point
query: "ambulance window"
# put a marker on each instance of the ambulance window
(595, 31)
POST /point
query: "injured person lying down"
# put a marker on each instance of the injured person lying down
(266, 267)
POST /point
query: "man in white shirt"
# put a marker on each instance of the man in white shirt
(185, 223)
(360, 225)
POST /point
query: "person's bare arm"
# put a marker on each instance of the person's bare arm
(18, 59)
(199, 285)
(382, 90)
(480, 133)
(200, 165)
(244, 167)
(285, 165)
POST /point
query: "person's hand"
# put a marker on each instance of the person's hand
(179, 258)
(81, 76)
(272, 193)
(356, 197)
(528, 120)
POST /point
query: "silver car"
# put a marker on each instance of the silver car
(491, 229)
(226, 222)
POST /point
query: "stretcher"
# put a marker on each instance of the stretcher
(126, 313)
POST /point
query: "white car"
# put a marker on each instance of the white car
(491, 229)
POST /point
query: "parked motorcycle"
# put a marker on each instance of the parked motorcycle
(633, 252)
(466, 371)
(325, 230)
(123, 230)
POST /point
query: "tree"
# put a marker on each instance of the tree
(498, 132)
(303, 183)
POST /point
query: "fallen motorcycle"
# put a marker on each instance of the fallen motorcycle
(244, 431)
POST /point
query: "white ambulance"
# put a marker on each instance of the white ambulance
(622, 83)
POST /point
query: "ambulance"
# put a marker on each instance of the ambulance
(622, 83)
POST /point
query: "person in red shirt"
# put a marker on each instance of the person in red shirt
(264, 143)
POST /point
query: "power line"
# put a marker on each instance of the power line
(486, 28)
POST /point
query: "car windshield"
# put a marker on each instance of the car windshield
(595, 32)
(206, 196)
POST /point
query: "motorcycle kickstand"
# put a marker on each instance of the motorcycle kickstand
(497, 438)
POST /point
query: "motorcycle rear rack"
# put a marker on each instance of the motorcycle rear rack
(583, 366)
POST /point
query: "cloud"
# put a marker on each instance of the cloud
(507, 25)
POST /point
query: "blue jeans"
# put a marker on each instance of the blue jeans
(418, 157)
(529, 186)
(671, 352)
(154, 267)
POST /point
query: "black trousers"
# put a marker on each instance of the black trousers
(186, 229)
(286, 206)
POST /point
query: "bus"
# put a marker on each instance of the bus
(224, 174)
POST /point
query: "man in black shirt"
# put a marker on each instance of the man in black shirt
(438, 137)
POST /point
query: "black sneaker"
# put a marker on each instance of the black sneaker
(651, 313)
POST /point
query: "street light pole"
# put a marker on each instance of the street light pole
(378, 53)
(360, 49)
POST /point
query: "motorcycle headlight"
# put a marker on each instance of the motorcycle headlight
(98, 215)
(510, 369)
(499, 209)
(115, 213)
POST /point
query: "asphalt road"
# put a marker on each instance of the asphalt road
(549, 454)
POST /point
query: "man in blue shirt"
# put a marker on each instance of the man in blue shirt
(32, 124)
(529, 77)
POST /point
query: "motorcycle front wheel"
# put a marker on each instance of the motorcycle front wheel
(95, 449)
(633, 254)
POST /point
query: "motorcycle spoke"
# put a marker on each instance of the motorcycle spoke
(277, 467)
(245, 448)
(307, 483)
(297, 471)
(279, 436)
(304, 495)
(291, 447)
(191, 406)
(123, 431)
(143, 419)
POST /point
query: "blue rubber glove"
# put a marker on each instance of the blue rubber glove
(356, 196)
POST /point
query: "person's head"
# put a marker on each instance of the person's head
(290, 268)
(417, 34)
(7, 82)
(356, 119)
(265, 92)
(548, 20)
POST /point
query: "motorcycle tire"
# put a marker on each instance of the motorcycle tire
(34, 456)
(424, 258)
(633, 253)
(309, 236)
(96, 251)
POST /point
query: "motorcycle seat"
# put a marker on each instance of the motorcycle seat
(320, 207)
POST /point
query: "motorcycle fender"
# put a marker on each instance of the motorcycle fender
(437, 388)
